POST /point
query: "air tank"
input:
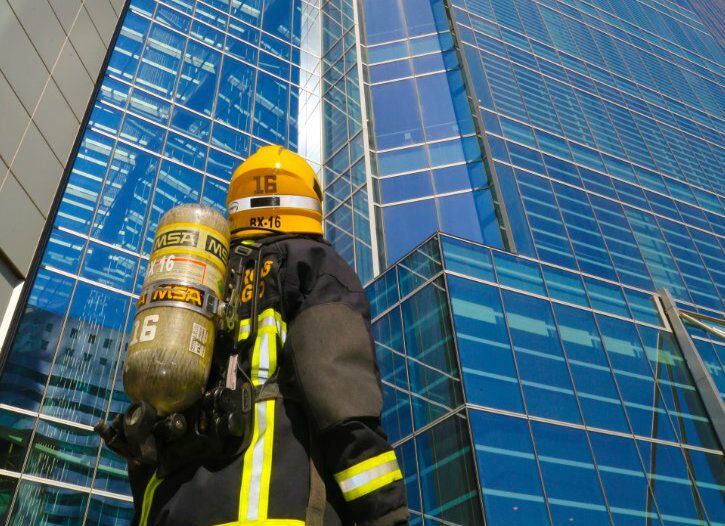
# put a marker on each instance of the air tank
(169, 354)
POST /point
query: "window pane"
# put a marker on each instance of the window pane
(507, 468)
(15, 431)
(624, 482)
(487, 364)
(84, 185)
(396, 416)
(544, 376)
(409, 467)
(565, 286)
(518, 273)
(445, 109)
(570, 478)
(63, 251)
(80, 383)
(161, 59)
(400, 127)
(63, 453)
(592, 375)
(606, 297)
(383, 21)
(277, 17)
(428, 334)
(174, 186)
(121, 215)
(235, 94)
(448, 478)
(642, 400)
(43, 505)
(671, 483)
(28, 362)
(467, 258)
(406, 226)
(470, 215)
(104, 511)
(678, 388)
(419, 266)
(110, 267)
(709, 474)
(270, 109)
(7, 489)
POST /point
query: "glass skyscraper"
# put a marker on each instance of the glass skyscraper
(533, 192)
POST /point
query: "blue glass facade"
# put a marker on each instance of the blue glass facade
(190, 89)
(598, 126)
(576, 395)
(514, 180)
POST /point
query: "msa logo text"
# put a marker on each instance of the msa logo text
(183, 293)
(216, 247)
(177, 238)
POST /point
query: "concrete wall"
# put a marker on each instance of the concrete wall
(51, 52)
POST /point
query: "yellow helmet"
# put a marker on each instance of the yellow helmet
(274, 189)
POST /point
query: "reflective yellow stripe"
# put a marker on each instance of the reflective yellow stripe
(365, 465)
(266, 522)
(267, 461)
(368, 476)
(257, 472)
(373, 485)
(148, 498)
(269, 317)
(247, 472)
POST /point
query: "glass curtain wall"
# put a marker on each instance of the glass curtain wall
(191, 88)
(429, 172)
(345, 173)
(605, 121)
(580, 406)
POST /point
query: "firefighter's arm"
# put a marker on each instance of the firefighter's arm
(335, 366)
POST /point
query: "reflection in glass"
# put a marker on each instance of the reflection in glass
(42, 505)
(15, 431)
(507, 468)
(570, 478)
(123, 206)
(593, 378)
(678, 388)
(487, 363)
(79, 385)
(623, 479)
(419, 266)
(63, 453)
(642, 400)
(675, 496)
(25, 371)
(104, 511)
(396, 417)
(428, 334)
(518, 273)
(447, 475)
(544, 374)
(7, 489)
(467, 258)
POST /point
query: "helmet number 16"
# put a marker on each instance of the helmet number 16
(266, 184)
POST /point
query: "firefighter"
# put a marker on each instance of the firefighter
(309, 449)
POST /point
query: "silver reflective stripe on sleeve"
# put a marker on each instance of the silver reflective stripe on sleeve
(274, 201)
(368, 476)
